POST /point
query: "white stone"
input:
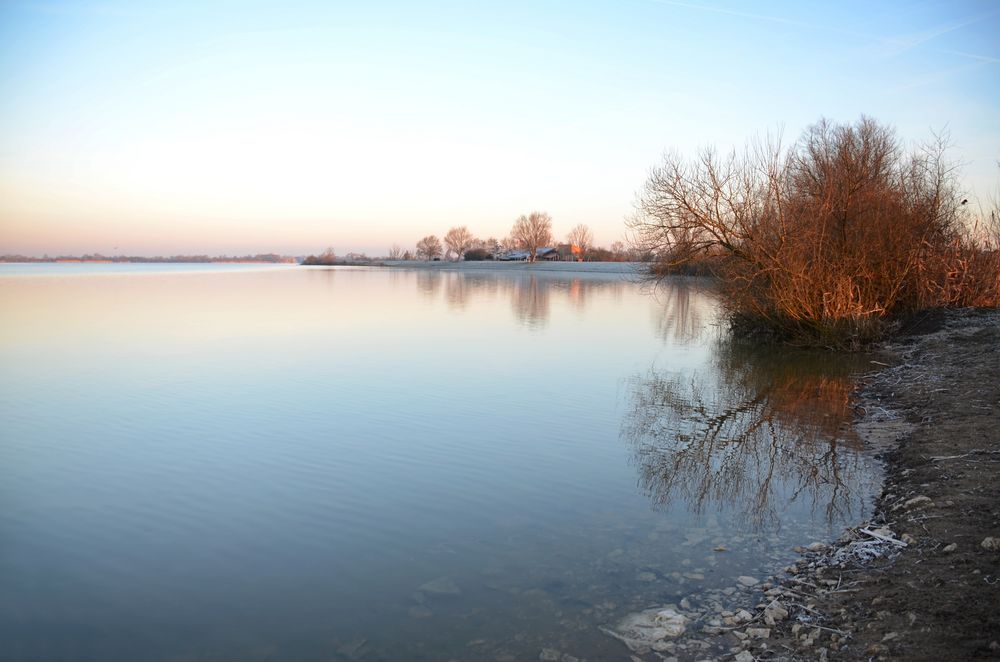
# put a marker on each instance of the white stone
(990, 544)
(747, 581)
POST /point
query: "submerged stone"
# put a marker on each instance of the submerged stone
(441, 586)
(649, 629)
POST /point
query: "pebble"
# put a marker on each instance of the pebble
(908, 539)
(775, 611)
(759, 633)
(549, 655)
(990, 544)
(816, 547)
(646, 577)
(948, 549)
(744, 580)
(744, 656)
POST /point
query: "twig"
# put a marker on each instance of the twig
(972, 452)
(820, 627)
(879, 536)
(796, 604)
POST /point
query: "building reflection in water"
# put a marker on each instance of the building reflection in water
(757, 432)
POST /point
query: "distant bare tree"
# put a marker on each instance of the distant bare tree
(619, 251)
(492, 246)
(532, 232)
(395, 252)
(582, 237)
(429, 247)
(458, 240)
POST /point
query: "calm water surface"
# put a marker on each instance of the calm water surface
(374, 464)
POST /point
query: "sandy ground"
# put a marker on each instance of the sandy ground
(921, 581)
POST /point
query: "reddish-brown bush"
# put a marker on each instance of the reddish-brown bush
(831, 242)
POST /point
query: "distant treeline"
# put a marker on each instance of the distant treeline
(272, 258)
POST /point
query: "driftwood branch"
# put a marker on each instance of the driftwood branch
(879, 536)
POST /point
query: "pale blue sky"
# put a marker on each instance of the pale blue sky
(290, 126)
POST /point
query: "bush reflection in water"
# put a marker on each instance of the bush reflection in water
(757, 432)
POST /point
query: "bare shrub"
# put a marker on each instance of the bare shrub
(831, 242)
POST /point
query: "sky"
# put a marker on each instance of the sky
(234, 127)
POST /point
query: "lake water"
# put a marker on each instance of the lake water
(246, 463)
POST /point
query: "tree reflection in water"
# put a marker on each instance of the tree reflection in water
(530, 294)
(530, 300)
(755, 433)
(688, 308)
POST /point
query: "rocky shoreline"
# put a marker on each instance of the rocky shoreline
(921, 579)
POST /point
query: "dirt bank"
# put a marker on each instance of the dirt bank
(921, 581)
